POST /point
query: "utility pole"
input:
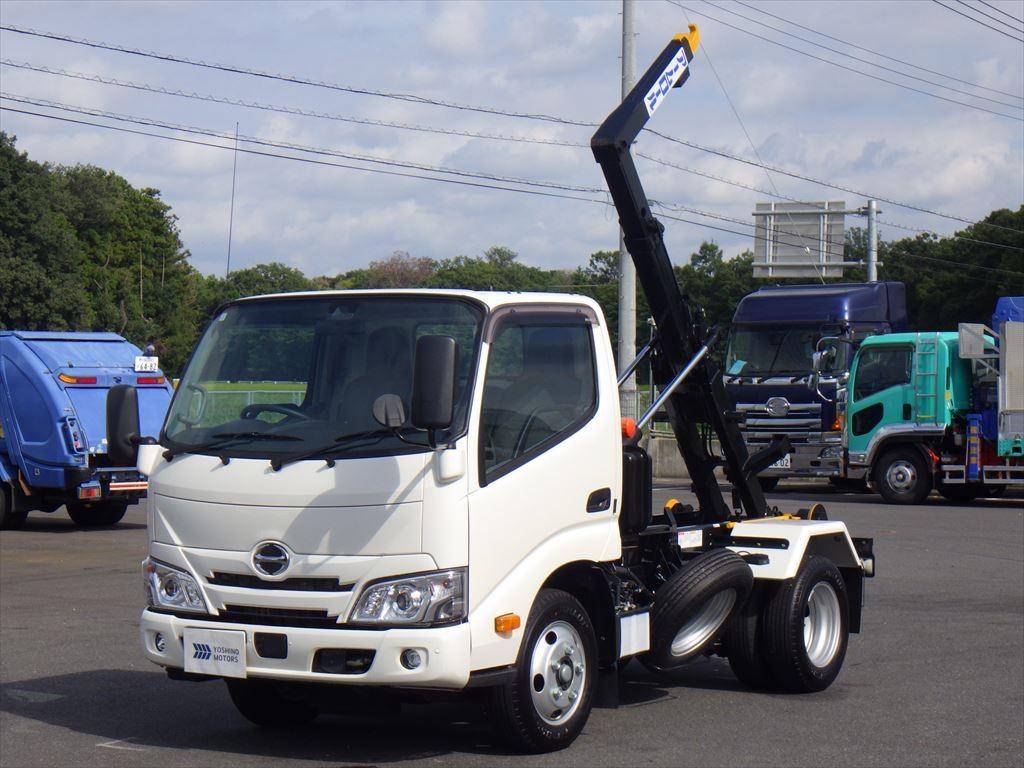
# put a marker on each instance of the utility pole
(231, 214)
(627, 270)
(872, 264)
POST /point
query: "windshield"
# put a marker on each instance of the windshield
(276, 377)
(783, 351)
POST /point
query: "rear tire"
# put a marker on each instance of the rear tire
(693, 605)
(102, 513)
(768, 483)
(743, 642)
(261, 702)
(9, 519)
(903, 477)
(807, 627)
(543, 709)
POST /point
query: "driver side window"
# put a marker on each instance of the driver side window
(540, 387)
(880, 368)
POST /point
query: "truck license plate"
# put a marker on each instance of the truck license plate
(146, 364)
(783, 463)
(218, 652)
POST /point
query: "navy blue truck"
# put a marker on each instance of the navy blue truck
(774, 333)
(53, 429)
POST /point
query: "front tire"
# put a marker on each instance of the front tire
(261, 702)
(100, 514)
(548, 700)
(807, 627)
(903, 477)
(768, 483)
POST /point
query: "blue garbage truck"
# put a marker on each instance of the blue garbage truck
(774, 334)
(53, 424)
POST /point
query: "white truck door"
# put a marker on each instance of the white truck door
(548, 463)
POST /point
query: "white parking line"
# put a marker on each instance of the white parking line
(122, 744)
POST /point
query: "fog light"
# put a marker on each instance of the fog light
(411, 658)
(159, 642)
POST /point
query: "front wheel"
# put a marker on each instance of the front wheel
(263, 703)
(903, 477)
(548, 700)
(807, 627)
(96, 515)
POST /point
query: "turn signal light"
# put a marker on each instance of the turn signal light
(628, 428)
(507, 622)
(837, 425)
(76, 379)
(151, 379)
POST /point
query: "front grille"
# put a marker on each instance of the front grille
(276, 617)
(298, 583)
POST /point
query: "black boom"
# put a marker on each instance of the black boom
(702, 397)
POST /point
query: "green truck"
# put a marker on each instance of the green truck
(937, 411)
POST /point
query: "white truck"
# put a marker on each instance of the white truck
(433, 491)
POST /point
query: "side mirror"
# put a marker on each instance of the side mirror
(389, 411)
(122, 425)
(433, 382)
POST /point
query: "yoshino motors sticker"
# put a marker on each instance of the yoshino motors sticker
(669, 77)
(218, 652)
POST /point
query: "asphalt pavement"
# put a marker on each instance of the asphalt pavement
(935, 677)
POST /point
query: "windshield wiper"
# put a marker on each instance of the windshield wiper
(324, 451)
(226, 438)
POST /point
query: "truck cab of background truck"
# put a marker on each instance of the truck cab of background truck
(53, 432)
(923, 415)
(774, 333)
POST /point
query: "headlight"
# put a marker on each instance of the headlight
(168, 587)
(422, 600)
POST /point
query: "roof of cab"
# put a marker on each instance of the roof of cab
(909, 338)
(63, 335)
(490, 299)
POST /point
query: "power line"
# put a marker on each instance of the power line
(288, 110)
(296, 79)
(878, 53)
(822, 183)
(978, 21)
(996, 19)
(848, 69)
(899, 72)
(384, 171)
(484, 109)
(484, 183)
(999, 10)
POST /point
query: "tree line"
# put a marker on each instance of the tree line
(81, 249)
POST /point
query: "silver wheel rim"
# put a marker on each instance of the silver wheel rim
(823, 625)
(558, 672)
(901, 475)
(699, 629)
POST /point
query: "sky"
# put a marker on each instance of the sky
(555, 58)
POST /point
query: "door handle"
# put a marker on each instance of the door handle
(906, 412)
(600, 500)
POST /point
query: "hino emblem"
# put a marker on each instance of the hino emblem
(270, 559)
(777, 406)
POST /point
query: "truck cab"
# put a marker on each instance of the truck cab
(53, 432)
(775, 332)
(938, 411)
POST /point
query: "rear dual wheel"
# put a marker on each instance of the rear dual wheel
(9, 519)
(793, 636)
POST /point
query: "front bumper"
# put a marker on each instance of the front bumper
(446, 651)
(805, 458)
